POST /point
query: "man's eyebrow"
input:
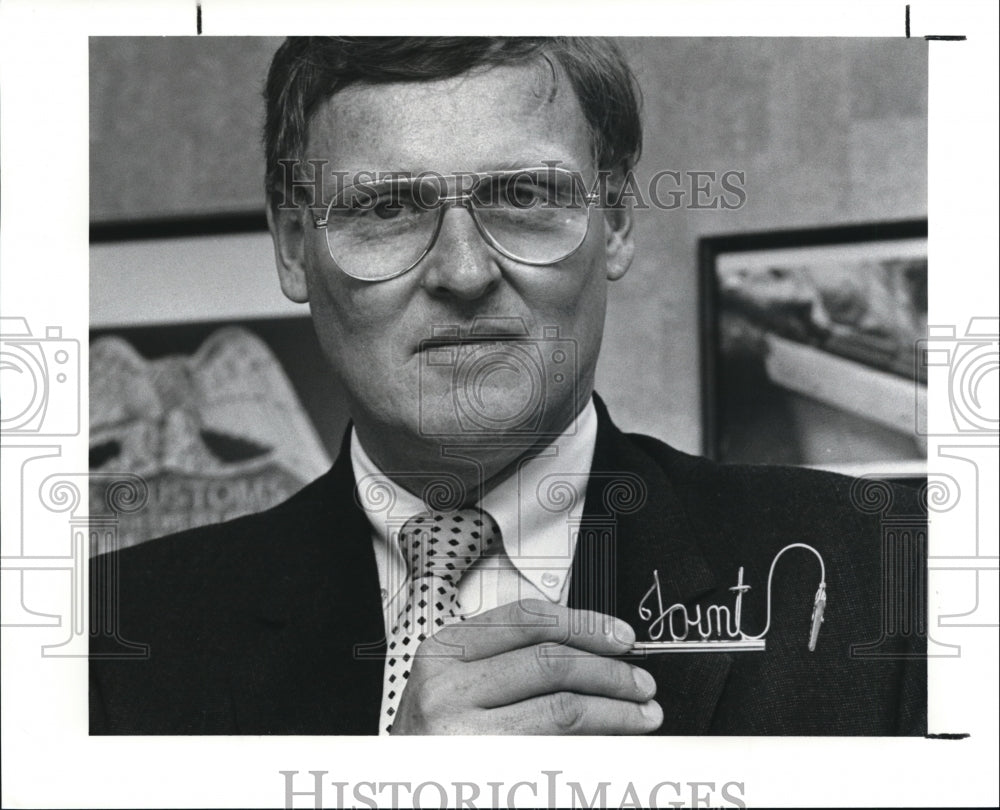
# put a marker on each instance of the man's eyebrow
(508, 166)
(492, 166)
(389, 178)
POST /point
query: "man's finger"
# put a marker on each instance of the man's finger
(571, 713)
(526, 623)
(548, 668)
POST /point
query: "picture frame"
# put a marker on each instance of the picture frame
(223, 404)
(809, 346)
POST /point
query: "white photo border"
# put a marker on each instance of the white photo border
(48, 758)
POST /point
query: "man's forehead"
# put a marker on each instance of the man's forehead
(484, 119)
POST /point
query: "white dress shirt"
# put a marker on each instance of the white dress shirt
(538, 509)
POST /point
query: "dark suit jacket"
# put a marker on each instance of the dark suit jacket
(272, 623)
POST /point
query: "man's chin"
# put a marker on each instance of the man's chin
(495, 417)
(467, 452)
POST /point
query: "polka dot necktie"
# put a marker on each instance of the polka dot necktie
(438, 547)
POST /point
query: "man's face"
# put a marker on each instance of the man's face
(372, 333)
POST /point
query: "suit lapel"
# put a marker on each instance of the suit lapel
(317, 638)
(633, 522)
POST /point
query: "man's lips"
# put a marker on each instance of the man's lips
(468, 340)
(479, 331)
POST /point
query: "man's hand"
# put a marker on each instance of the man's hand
(528, 668)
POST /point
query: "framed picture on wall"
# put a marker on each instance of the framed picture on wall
(217, 419)
(204, 380)
(810, 347)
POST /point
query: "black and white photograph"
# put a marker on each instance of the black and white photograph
(489, 553)
(505, 386)
(812, 348)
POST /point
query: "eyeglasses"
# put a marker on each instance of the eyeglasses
(536, 216)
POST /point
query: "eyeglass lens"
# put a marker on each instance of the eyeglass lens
(378, 231)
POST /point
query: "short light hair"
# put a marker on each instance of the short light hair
(306, 71)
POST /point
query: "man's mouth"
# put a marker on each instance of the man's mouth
(467, 340)
(481, 330)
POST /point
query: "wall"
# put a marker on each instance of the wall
(827, 132)
(175, 125)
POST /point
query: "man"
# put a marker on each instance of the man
(477, 557)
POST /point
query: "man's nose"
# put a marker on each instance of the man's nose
(460, 263)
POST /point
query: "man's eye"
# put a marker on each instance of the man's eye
(525, 194)
(387, 209)
(535, 191)
(381, 206)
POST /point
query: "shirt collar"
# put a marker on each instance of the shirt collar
(537, 508)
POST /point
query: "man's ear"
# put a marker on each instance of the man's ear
(618, 241)
(288, 234)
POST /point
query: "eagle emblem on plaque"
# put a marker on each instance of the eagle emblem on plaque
(216, 434)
